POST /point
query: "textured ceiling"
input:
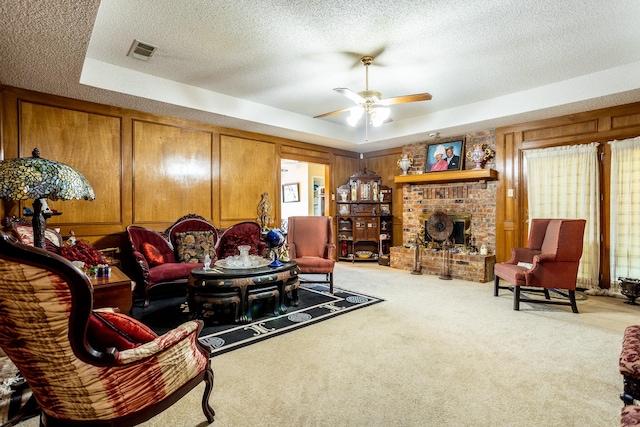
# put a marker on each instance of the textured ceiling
(269, 66)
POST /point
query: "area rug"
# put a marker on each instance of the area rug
(315, 304)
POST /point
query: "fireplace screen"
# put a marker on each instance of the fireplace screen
(438, 225)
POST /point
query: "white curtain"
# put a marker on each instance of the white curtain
(625, 209)
(563, 182)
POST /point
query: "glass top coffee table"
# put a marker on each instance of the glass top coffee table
(218, 285)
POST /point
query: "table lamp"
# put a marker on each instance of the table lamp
(40, 179)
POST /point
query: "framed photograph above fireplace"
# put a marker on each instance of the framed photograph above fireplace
(443, 156)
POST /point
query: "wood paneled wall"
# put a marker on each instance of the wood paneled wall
(178, 161)
(384, 163)
(150, 170)
(248, 169)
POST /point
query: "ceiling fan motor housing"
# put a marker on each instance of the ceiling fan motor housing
(372, 95)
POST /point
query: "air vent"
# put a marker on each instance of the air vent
(141, 50)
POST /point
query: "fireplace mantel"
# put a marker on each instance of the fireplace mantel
(449, 176)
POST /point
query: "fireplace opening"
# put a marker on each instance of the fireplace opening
(460, 234)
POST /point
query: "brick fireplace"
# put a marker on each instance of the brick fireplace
(460, 199)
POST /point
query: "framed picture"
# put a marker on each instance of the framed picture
(291, 192)
(443, 156)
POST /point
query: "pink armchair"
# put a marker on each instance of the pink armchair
(86, 367)
(550, 260)
(311, 245)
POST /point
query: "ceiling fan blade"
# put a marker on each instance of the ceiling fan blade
(350, 94)
(416, 97)
(332, 113)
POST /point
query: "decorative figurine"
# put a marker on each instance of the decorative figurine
(264, 212)
(284, 253)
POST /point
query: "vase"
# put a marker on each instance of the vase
(244, 254)
(479, 155)
(405, 163)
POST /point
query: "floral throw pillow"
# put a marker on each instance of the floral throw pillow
(193, 246)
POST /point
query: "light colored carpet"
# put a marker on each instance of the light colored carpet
(435, 353)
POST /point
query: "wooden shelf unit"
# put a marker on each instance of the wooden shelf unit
(364, 220)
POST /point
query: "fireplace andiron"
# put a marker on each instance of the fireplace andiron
(417, 247)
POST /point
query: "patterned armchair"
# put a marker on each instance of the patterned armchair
(23, 230)
(85, 367)
(550, 260)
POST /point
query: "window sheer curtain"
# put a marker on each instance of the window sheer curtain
(562, 182)
(625, 210)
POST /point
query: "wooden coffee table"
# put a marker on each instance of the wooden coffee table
(115, 291)
(217, 285)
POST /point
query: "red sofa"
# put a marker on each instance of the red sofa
(167, 258)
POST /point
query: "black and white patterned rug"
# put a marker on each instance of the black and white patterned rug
(315, 304)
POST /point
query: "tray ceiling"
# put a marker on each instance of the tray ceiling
(270, 66)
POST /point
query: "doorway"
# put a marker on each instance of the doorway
(310, 181)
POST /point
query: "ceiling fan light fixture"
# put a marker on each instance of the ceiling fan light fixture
(371, 102)
(379, 115)
(354, 116)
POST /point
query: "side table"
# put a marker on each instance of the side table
(114, 291)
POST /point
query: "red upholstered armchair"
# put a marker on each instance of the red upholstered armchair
(84, 367)
(155, 262)
(167, 258)
(550, 260)
(311, 245)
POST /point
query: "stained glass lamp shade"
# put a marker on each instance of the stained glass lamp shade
(40, 179)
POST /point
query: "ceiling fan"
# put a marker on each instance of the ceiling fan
(371, 101)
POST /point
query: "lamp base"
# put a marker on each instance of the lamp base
(38, 223)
